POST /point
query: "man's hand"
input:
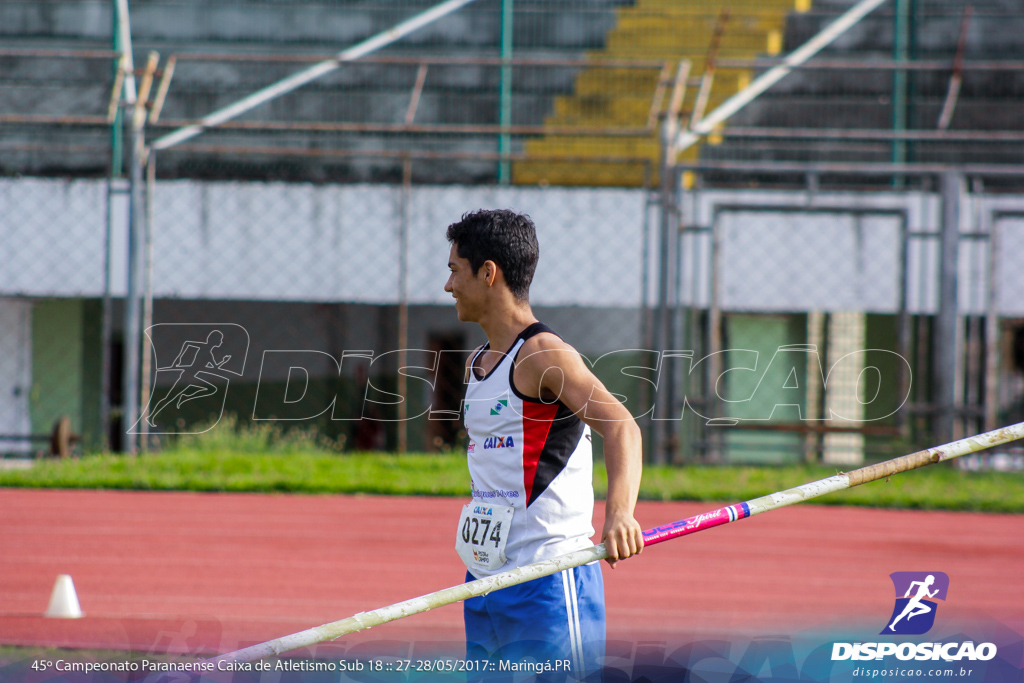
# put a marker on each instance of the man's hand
(622, 537)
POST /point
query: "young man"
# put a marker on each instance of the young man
(530, 404)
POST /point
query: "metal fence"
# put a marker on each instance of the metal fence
(819, 215)
(296, 279)
(830, 325)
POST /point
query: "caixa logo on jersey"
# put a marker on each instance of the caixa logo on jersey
(499, 442)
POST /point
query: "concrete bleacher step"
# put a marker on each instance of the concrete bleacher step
(857, 98)
(651, 29)
(467, 94)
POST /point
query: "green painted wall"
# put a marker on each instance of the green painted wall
(92, 373)
(774, 391)
(66, 367)
(57, 357)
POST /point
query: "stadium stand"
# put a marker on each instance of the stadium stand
(227, 50)
(652, 29)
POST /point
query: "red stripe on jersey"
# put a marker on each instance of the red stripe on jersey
(537, 419)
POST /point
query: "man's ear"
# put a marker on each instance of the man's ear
(490, 271)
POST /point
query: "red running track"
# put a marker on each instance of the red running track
(187, 572)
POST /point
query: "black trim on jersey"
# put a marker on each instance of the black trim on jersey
(484, 349)
(564, 434)
(531, 331)
(563, 438)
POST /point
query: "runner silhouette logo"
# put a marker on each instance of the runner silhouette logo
(189, 392)
(916, 593)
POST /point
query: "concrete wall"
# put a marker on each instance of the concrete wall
(781, 251)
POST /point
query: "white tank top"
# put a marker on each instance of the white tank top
(530, 455)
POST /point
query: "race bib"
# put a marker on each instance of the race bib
(483, 529)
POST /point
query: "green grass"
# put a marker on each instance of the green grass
(297, 469)
(938, 487)
(265, 459)
(295, 472)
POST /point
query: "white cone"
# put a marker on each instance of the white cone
(64, 600)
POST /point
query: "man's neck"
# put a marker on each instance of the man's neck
(502, 325)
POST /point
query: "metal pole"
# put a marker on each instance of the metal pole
(715, 451)
(683, 527)
(136, 258)
(312, 73)
(124, 46)
(107, 315)
(903, 324)
(132, 317)
(678, 387)
(403, 306)
(505, 115)
(769, 78)
(129, 377)
(664, 427)
(664, 405)
(946, 321)
(900, 52)
(991, 320)
(147, 298)
(107, 321)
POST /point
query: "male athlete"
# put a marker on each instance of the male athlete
(530, 404)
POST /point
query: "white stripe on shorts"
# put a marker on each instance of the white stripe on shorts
(572, 618)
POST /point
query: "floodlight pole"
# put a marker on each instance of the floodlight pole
(130, 376)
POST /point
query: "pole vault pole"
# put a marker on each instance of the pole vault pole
(683, 527)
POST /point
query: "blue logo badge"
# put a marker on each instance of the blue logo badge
(915, 608)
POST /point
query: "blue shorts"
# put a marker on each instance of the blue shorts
(557, 619)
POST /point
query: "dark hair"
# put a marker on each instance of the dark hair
(505, 237)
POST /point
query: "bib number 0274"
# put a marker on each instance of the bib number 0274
(483, 530)
(471, 526)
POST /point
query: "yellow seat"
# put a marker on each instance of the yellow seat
(621, 98)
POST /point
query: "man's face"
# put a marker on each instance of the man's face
(468, 290)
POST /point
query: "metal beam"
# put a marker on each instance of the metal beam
(854, 168)
(312, 73)
(766, 80)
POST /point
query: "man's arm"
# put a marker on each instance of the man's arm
(549, 368)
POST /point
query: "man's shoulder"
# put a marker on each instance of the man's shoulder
(545, 340)
(545, 349)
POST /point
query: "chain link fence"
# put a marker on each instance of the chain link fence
(297, 248)
(303, 288)
(813, 323)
